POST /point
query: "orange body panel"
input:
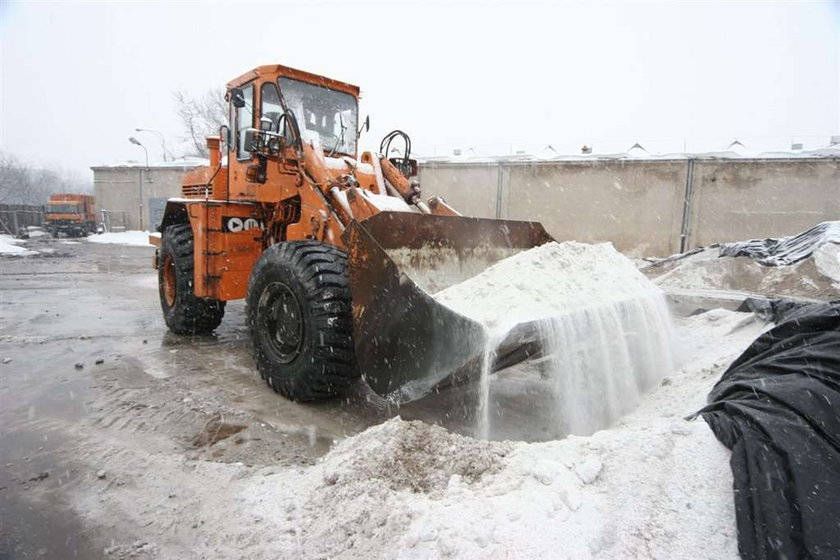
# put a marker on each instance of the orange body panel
(227, 243)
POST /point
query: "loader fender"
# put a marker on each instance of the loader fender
(228, 238)
(174, 213)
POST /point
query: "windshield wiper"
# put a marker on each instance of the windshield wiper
(340, 138)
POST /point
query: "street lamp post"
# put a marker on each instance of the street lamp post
(159, 133)
(136, 142)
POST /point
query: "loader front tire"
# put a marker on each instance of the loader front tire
(183, 312)
(299, 317)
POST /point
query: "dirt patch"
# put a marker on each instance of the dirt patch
(214, 431)
(418, 457)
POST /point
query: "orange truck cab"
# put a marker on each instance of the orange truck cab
(71, 214)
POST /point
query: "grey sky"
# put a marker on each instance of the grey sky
(77, 78)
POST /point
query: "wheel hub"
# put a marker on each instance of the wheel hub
(168, 268)
(281, 321)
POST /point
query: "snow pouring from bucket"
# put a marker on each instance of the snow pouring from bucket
(606, 331)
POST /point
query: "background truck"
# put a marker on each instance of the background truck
(70, 214)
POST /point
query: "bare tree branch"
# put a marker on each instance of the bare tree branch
(201, 116)
(24, 184)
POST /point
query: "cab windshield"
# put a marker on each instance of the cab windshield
(325, 115)
(64, 208)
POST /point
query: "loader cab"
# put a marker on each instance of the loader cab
(325, 110)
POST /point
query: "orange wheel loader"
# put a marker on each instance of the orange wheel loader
(336, 255)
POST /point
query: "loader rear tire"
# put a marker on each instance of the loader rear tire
(299, 317)
(183, 312)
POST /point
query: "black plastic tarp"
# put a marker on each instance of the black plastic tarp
(777, 408)
(785, 250)
(772, 309)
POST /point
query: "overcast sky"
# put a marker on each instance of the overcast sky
(78, 78)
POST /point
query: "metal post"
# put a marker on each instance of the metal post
(140, 194)
(689, 193)
(499, 191)
(140, 185)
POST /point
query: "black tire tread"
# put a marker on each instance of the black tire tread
(322, 272)
(190, 315)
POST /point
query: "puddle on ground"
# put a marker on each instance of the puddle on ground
(214, 431)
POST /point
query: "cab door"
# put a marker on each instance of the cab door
(241, 119)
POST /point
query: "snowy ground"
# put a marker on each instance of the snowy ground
(11, 246)
(164, 447)
(134, 238)
(654, 486)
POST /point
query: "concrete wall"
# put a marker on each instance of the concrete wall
(636, 206)
(639, 204)
(117, 189)
(752, 199)
(463, 186)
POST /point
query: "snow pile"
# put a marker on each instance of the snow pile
(654, 485)
(662, 489)
(36, 231)
(827, 261)
(9, 246)
(546, 281)
(604, 327)
(815, 277)
(134, 238)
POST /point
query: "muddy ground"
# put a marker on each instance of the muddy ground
(88, 370)
(89, 378)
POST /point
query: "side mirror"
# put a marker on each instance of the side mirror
(365, 127)
(237, 98)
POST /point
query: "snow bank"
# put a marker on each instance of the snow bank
(9, 246)
(36, 231)
(135, 238)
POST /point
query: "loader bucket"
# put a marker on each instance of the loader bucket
(406, 342)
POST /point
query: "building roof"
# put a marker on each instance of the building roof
(184, 164)
(637, 153)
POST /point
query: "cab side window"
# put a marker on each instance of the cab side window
(244, 121)
(270, 104)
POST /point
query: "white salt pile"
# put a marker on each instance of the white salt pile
(605, 328)
(815, 277)
(546, 281)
